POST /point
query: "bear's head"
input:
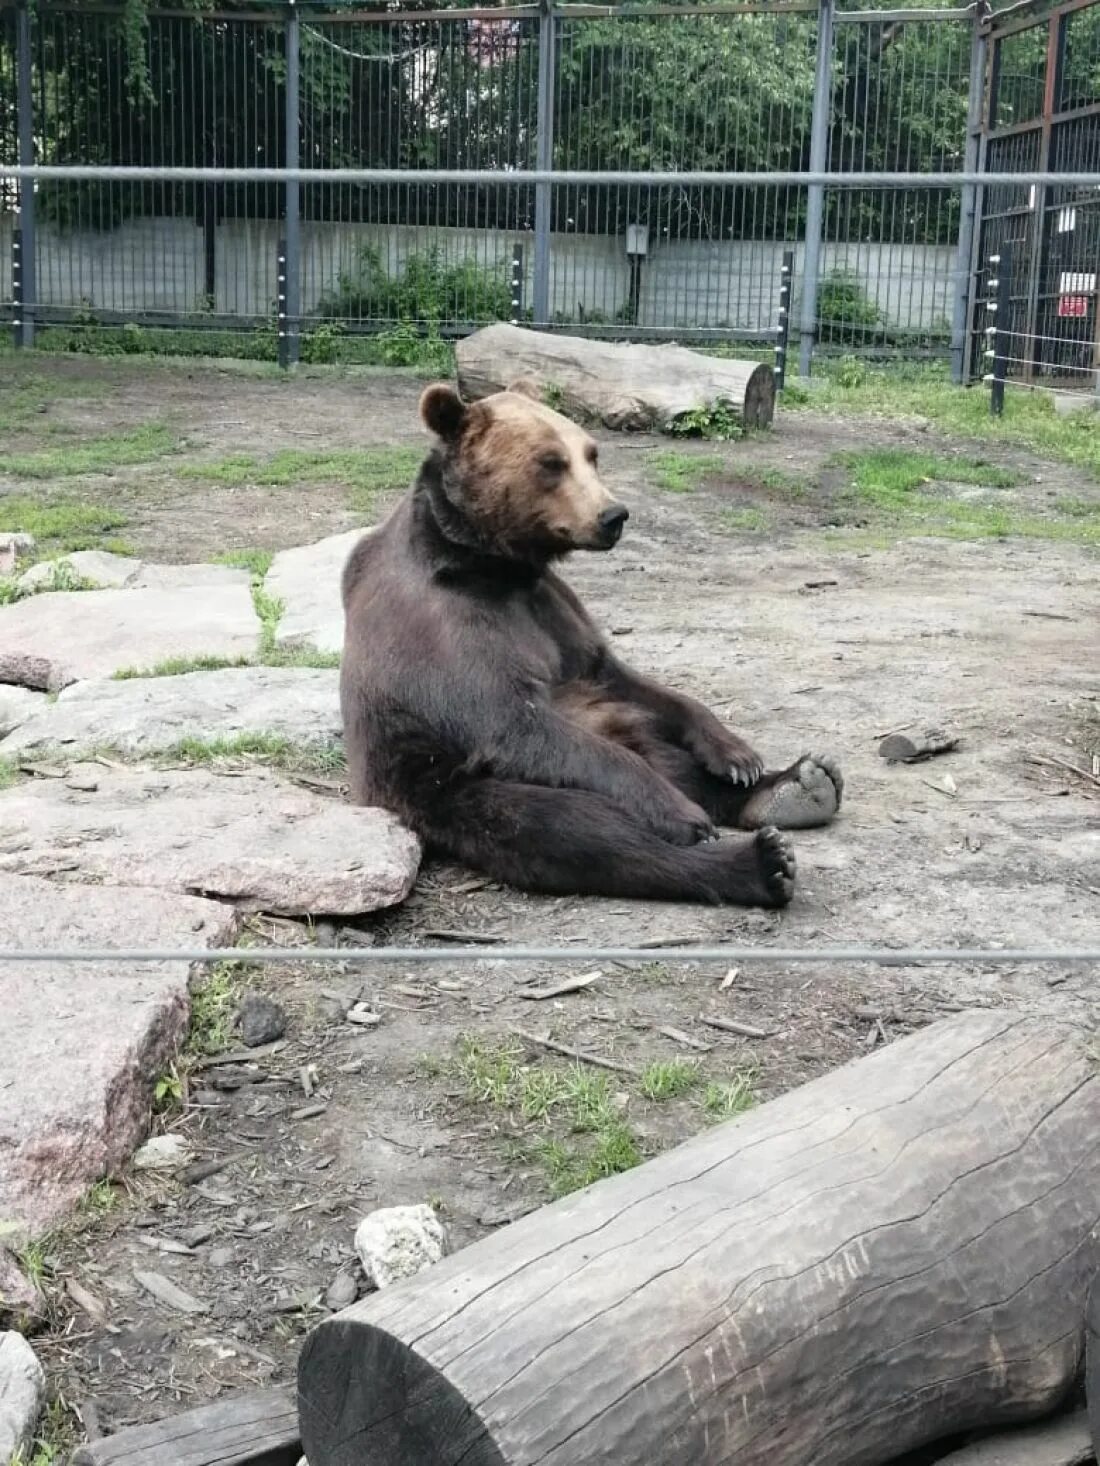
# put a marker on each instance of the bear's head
(525, 477)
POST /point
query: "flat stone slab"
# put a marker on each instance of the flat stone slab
(83, 1044)
(253, 839)
(17, 705)
(50, 640)
(1061, 1442)
(307, 581)
(107, 571)
(145, 714)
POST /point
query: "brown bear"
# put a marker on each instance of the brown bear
(482, 705)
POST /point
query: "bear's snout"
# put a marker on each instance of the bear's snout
(611, 523)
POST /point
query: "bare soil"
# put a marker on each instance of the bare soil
(805, 642)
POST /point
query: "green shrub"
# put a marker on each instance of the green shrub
(845, 311)
(428, 290)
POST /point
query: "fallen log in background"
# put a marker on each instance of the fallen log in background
(625, 387)
(894, 1253)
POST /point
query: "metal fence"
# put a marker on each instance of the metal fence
(758, 88)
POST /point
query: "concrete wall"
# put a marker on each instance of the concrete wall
(152, 266)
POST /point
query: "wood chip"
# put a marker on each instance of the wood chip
(166, 1292)
(728, 981)
(545, 1042)
(94, 1307)
(165, 1244)
(308, 1112)
(677, 1035)
(473, 939)
(733, 1025)
(1061, 763)
(570, 985)
(364, 1016)
(903, 748)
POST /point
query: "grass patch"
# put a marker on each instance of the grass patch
(772, 481)
(180, 666)
(25, 399)
(94, 455)
(366, 472)
(584, 1137)
(8, 773)
(256, 562)
(1029, 419)
(723, 1100)
(213, 1005)
(893, 482)
(300, 656)
(681, 473)
(750, 519)
(60, 526)
(669, 1078)
(268, 748)
(57, 1437)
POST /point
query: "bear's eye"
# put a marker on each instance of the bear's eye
(553, 463)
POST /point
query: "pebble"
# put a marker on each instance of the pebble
(342, 1292)
(398, 1242)
(260, 1019)
(163, 1153)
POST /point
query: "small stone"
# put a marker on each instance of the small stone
(21, 1304)
(220, 1257)
(398, 1242)
(82, 780)
(364, 1016)
(22, 1396)
(342, 1292)
(163, 1153)
(260, 1019)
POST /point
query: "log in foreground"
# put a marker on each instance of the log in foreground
(894, 1253)
(627, 388)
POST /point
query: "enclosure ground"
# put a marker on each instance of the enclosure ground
(856, 571)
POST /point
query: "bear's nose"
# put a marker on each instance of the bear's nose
(611, 521)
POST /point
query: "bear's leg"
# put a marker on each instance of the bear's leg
(802, 797)
(572, 842)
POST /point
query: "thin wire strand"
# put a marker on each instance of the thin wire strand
(880, 956)
(522, 177)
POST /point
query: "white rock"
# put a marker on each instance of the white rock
(97, 566)
(253, 839)
(48, 641)
(144, 714)
(189, 577)
(163, 1153)
(399, 1241)
(307, 582)
(18, 705)
(22, 1396)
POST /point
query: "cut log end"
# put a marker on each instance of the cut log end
(368, 1396)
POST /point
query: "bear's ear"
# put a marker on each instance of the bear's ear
(442, 411)
(525, 387)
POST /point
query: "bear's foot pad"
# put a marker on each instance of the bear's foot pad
(806, 795)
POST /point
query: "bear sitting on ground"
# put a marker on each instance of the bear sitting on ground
(483, 706)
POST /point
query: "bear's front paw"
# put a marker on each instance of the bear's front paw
(724, 755)
(682, 823)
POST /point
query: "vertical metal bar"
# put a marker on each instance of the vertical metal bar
(815, 196)
(786, 281)
(282, 343)
(544, 159)
(24, 93)
(1000, 282)
(971, 200)
(291, 249)
(517, 283)
(990, 87)
(1039, 232)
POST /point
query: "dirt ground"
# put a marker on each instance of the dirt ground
(814, 630)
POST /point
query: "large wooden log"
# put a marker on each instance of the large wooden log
(626, 387)
(257, 1429)
(891, 1254)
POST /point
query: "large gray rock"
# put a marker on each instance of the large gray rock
(625, 387)
(253, 839)
(97, 567)
(48, 641)
(83, 1044)
(307, 582)
(144, 714)
(17, 705)
(397, 1242)
(22, 1396)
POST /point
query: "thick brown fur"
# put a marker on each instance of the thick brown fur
(483, 706)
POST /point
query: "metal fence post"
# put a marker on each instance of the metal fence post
(517, 283)
(290, 266)
(783, 334)
(815, 194)
(544, 159)
(998, 330)
(24, 90)
(970, 201)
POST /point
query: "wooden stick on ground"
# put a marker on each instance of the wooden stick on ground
(257, 1429)
(579, 1054)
